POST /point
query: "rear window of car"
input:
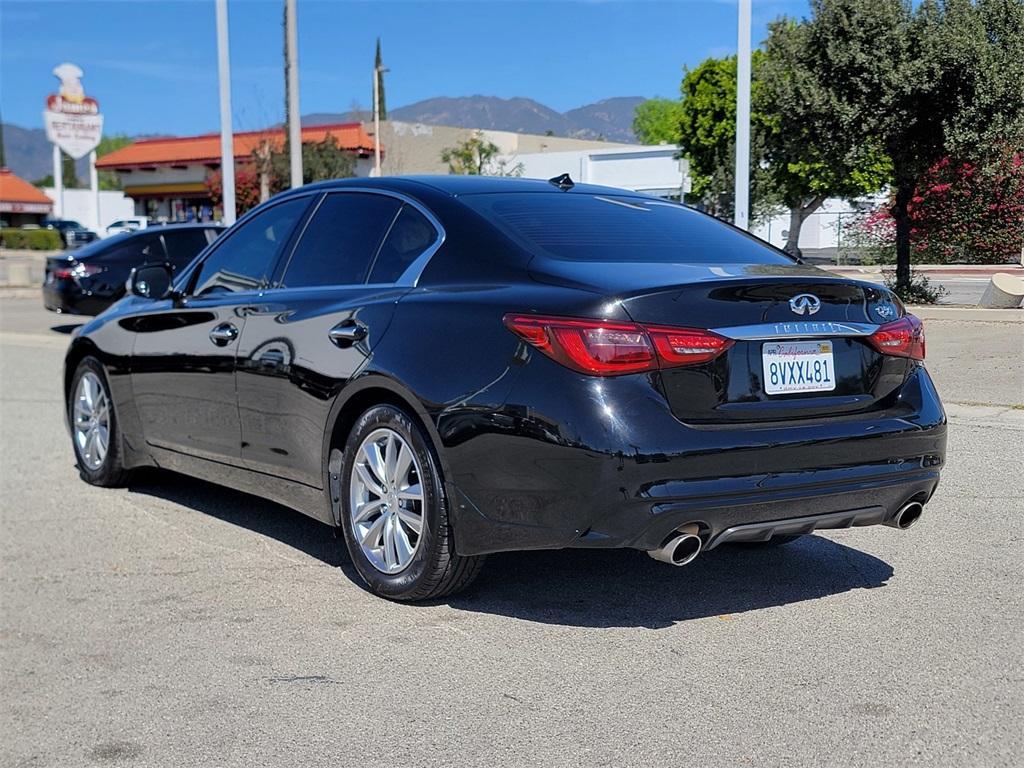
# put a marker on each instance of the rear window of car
(611, 228)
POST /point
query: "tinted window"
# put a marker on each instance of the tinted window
(341, 240)
(410, 236)
(578, 227)
(128, 250)
(183, 245)
(244, 261)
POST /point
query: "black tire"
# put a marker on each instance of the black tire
(774, 541)
(435, 569)
(111, 472)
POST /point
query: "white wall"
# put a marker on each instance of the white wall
(79, 205)
(645, 169)
(822, 228)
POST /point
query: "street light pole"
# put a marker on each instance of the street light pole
(294, 120)
(227, 143)
(741, 216)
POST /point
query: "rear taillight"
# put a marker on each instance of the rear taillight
(604, 348)
(78, 270)
(900, 338)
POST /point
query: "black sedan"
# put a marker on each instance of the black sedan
(446, 367)
(92, 278)
(72, 234)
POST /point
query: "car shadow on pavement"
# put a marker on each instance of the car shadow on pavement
(626, 588)
(576, 587)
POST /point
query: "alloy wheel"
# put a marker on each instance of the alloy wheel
(386, 502)
(91, 421)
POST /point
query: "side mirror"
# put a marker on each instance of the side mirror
(150, 281)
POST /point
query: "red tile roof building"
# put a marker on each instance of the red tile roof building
(20, 202)
(206, 148)
(167, 176)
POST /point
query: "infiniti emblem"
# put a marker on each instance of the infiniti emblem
(805, 304)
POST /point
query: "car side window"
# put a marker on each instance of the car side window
(184, 245)
(410, 235)
(341, 240)
(247, 257)
(135, 251)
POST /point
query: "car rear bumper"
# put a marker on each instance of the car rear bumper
(552, 475)
(67, 297)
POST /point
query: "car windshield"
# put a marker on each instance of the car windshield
(612, 228)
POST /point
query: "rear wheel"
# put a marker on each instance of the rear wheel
(94, 431)
(394, 511)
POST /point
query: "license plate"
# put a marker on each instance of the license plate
(798, 366)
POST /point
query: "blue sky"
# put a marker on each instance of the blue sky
(152, 65)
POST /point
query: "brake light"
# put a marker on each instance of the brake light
(900, 338)
(604, 348)
(78, 270)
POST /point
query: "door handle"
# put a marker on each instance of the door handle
(346, 334)
(223, 334)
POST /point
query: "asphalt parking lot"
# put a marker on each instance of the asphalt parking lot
(177, 623)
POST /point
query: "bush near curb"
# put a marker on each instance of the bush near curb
(31, 239)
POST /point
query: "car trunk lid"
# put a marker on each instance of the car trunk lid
(800, 336)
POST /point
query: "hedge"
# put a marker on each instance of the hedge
(32, 239)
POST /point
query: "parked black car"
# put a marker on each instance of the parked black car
(446, 367)
(92, 278)
(72, 233)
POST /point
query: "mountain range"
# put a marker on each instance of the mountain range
(609, 119)
(28, 153)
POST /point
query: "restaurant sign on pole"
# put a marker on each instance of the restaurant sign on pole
(74, 124)
(73, 120)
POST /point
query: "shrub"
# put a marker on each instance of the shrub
(32, 239)
(961, 213)
(919, 291)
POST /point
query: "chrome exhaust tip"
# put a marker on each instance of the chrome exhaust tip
(679, 550)
(907, 515)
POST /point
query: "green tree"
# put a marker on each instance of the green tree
(807, 161)
(67, 171)
(708, 135)
(942, 78)
(476, 156)
(657, 121)
(321, 160)
(110, 179)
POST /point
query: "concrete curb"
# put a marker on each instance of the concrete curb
(967, 314)
(935, 269)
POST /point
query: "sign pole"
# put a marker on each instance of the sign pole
(58, 184)
(94, 185)
(741, 217)
(227, 143)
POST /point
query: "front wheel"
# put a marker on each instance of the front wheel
(94, 431)
(394, 511)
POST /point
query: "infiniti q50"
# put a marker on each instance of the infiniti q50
(445, 367)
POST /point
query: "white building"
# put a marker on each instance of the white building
(653, 170)
(80, 205)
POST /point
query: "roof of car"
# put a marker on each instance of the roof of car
(178, 225)
(456, 185)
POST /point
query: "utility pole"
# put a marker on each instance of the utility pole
(291, 34)
(227, 139)
(741, 216)
(378, 106)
